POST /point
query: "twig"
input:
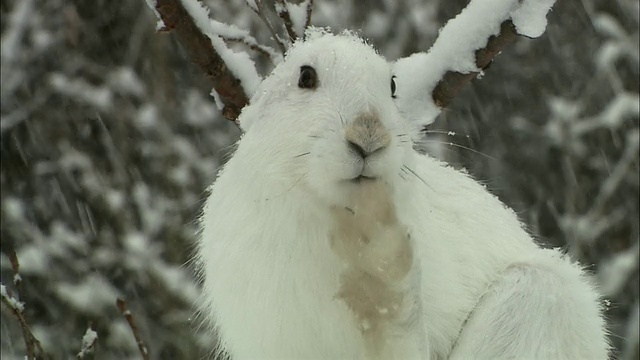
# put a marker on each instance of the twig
(122, 307)
(88, 343)
(453, 82)
(262, 50)
(200, 50)
(283, 13)
(17, 308)
(307, 22)
(230, 33)
(265, 20)
(15, 266)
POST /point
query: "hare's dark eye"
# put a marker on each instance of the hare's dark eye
(393, 86)
(308, 78)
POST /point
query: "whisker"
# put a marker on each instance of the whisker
(286, 191)
(301, 155)
(404, 170)
(448, 133)
(297, 181)
(341, 118)
(461, 147)
(416, 175)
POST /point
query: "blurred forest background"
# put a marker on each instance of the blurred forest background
(110, 139)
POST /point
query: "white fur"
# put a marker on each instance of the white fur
(483, 289)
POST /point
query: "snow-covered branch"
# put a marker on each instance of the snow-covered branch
(233, 75)
(283, 12)
(258, 8)
(89, 340)
(467, 34)
(17, 309)
(454, 81)
(295, 17)
(465, 47)
(232, 33)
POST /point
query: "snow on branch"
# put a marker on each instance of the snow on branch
(283, 12)
(465, 46)
(428, 81)
(89, 340)
(33, 345)
(232, 33)
(233, 75)
(453, 81)
(479, 33)
(295, 17)
(258, 9)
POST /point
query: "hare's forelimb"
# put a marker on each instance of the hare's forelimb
(541, 309)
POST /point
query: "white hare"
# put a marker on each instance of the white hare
(327, 236)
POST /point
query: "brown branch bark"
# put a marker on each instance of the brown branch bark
(261, 14)
(122, 307)
(255, 47)
(33, 345)
(200, 50)
(15, 266)
(453, 82)
(308, 19)
(286, 20)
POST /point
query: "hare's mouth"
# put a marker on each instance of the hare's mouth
(362, 178)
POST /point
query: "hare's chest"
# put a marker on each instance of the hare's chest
(279, 301)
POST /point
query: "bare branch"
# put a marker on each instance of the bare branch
(122, 307)
(15, 266)
(17, 308)
(308, 19)
(261, 49)
(263, 17)
(283, 13)
(200, 50)
(453, 82)
(231, 33)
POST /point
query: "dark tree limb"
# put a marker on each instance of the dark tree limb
(267, 22)
(283, 13)
(229, 89)
(122, 307)
(307, 22)
(453, 82)
(253, 46)
(33, 345)
(200, 50)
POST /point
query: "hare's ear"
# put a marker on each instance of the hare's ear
(414, 85)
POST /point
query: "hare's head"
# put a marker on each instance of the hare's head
(325, 118)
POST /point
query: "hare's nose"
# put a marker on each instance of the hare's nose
(358, 149)
(366, 135)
